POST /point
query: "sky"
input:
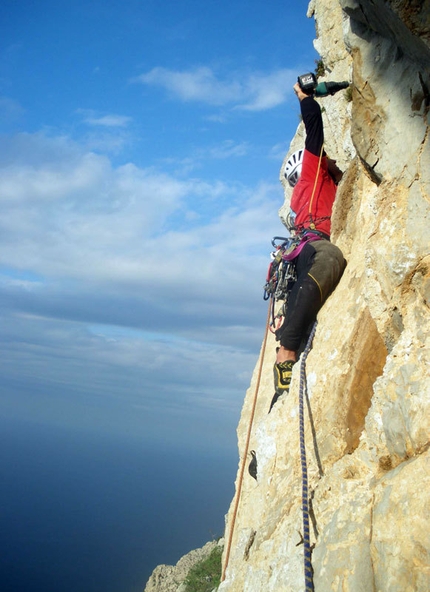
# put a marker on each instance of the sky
(140, 150)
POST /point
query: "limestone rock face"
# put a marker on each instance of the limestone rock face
(367, 425)
(171, 578)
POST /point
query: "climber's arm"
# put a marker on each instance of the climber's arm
(311, 115)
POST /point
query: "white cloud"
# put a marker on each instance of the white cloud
(108, 133)
(229, 149)
(265, 91)
(251, 92)
(52, 180)
(108, 120)
(75, 216)
(199, 84)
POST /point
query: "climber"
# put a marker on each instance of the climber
(319, 263)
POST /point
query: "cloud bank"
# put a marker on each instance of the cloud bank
(127, 283)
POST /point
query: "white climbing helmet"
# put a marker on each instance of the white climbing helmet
(293, 168)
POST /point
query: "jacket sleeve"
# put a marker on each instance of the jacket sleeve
(311, 115)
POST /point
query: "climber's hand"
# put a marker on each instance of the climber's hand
(300, 94)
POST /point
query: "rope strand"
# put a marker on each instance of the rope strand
(309, 584)
(245, 454)
(311, 220)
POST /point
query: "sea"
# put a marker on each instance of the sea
(82, 512)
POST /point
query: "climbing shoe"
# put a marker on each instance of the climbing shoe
(282, 376)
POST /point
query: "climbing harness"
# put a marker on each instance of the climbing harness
(245, 452)
(309, 584)
(282, 274)
(281, 277)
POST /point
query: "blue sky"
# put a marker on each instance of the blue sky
(140, 149)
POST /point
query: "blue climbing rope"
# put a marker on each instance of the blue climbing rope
(309, 580)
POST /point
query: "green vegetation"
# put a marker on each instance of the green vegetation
(319, 69)
(205, 575)
(348, 94)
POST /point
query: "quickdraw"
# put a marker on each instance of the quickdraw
(281, 276)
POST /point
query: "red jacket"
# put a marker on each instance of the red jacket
(313, 202)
